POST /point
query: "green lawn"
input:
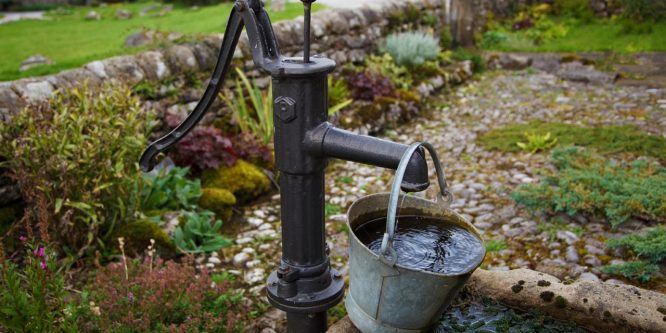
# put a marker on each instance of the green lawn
(600, 35)
(72, 41)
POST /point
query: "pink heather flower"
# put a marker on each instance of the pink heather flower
(130, 297)
(23, 239)
(43, 265)
(40, 252)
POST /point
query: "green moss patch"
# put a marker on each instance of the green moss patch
(219, 201)
(245, 180)
(137, 236)
(604, 139)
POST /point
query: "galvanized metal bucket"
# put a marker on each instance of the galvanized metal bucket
(383, 296)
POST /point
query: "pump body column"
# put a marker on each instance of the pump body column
(304, 285)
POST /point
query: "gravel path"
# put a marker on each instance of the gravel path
(480, 180)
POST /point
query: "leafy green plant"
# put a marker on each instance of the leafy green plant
(256, 117)
(495, 245)
(400, 76)
(493, 39)
(587, 183)
(536, 142)
(199, 235)
(169, 190)
(410, 49)
(33, 298)
(75, 161)
(338, 95)
(546, 29)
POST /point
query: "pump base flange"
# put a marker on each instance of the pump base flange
(311, 302)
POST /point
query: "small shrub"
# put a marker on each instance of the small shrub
(75, 161)
(157, 296)
(493, 39)
(445, 38)
(643, 10)
(33, 298)
(636, 270)
(400, 76)
(579, 9)
(536, 142)
(256, 117)
(199, 235)
(650, 246)
(169, 190)
(478, 64)
(586, 183)
(411, 49)
(368, 86)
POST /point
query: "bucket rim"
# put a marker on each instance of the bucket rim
(465, 223)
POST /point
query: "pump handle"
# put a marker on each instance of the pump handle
(265, 54)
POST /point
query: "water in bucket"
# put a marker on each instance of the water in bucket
(426, 244)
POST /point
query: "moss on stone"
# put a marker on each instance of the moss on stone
(137, 237)
(245, 180)
(604, 139)
(561, 302)
(219, 201)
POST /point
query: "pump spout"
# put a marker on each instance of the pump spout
(326, 140)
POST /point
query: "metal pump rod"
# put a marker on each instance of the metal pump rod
(307, 5)
(304, 285)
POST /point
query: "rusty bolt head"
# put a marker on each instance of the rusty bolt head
(285, 108)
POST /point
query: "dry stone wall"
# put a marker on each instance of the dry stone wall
(346, 35)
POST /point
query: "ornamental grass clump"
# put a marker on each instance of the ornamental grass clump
(411, 49)
(586, 183)
(75, 162)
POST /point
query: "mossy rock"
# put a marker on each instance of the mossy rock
(245, 180)
(219, 201)
(137, 237)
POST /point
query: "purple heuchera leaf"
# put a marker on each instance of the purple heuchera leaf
(369, 85)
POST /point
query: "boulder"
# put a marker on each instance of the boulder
(34, 61)
(599, 307)
(577, 72)
(93, 16)
(123, 14)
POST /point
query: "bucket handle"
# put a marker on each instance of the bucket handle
(387, 252)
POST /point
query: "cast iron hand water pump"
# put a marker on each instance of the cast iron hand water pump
(304, 285)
